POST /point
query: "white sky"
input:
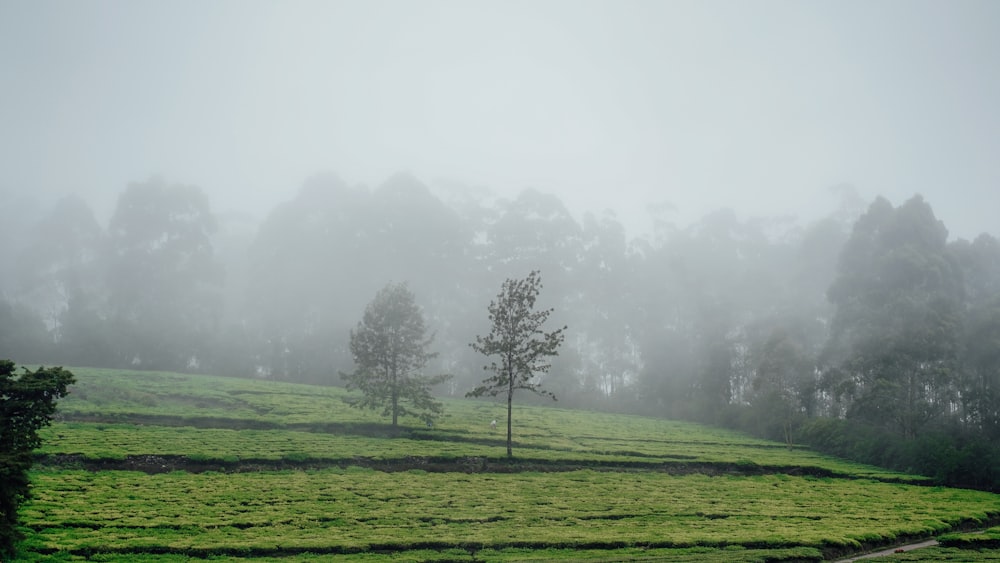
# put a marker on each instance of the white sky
(757, 105)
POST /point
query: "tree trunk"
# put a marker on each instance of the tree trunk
(395, 399)
(510, 400)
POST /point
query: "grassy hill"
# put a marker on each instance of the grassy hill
(166, 467)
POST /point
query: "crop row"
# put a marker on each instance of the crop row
(940, 555)
(114, 393)
(116, 441)
(728, 554)
(542, 433)
(356, 510)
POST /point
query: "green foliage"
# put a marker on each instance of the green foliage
(989, 538)
(979, 378)
(589, 486)
(519, 342)
(941, 555)
(783, 379)
(346, 512)
(156, 413)
(27, 403)
(947, 455)
(389, 347)
(894, 337)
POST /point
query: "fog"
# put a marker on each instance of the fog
(757, 106)
(775, 208)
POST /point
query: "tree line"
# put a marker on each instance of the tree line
(870, 317)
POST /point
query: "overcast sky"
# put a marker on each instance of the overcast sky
(761, 106)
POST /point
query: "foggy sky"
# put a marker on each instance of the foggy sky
(761, 106)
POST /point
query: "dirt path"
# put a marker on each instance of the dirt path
(884, 552)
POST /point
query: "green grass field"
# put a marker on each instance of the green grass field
(167, 467)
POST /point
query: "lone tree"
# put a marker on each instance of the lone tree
(27, 403)
(389, 347)
(517, 338)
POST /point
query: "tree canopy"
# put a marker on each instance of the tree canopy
(522, 349)
(163, 279)
(898, 296)
(27, 403)
(390, 349)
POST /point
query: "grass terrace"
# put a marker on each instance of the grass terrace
(165, 467)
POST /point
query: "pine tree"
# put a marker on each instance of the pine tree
(390, 349)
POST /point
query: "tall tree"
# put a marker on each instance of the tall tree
(61, 277)
(518, 340)
(696, 292)
(604, 329)
(894, 337)
(782, 382)
(300, 303)
(22, 333)
(390, 348)
(163, 277)
(27, 403)
(980, 350)
(61, 261)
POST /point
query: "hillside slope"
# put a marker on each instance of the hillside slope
(158, 466)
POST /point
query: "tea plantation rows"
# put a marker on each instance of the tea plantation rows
(169, 467)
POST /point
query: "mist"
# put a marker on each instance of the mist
(689, 106)
(731, 204)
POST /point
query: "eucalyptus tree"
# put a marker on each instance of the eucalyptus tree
(696, 293)
(164, 281)
(605, 316)
(22, 333)
(22, 211)
(390, 347)
(308, 279)
(535, 229)
(61, 276)
(894, 339)
(783, 382)
(320, 256)
(415, 236)
(61, 260)
(979, 382)
(517, 340)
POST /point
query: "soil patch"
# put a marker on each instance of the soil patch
(153, 464)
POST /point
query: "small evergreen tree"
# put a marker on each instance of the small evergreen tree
(27, 403)
(519, 342)
(389, 347)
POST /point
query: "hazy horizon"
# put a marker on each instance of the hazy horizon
(761, 107)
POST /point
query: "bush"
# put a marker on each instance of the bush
(28, 403)
(949, 455)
